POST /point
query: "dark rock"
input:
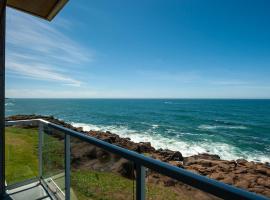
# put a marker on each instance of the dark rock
(261, 169)
(126, 169)
(263, 182)
(217, 176)
(228, 180)
(241, 161)
(224, 167)
(101, 154)
(177, 163)
(79, 129)
(170, 182)
(242, 184)
(251, 176)
(207, 156)
(177, 156)
(144, 147)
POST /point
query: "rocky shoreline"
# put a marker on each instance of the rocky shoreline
(251, 176)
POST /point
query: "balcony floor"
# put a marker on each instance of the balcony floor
(32, 191)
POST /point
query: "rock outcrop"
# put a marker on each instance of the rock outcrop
(251, 176)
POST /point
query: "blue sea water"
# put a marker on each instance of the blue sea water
(230, 128)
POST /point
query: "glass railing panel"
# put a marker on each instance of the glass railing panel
(98, 174)
(21, 153)
(161, 187)
(53, 160)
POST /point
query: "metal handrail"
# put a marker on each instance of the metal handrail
(203, 183)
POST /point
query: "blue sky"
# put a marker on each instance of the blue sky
(141, 49)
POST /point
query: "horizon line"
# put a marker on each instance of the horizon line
(161, 98)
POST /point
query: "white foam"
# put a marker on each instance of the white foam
(225, 151)
(155, 126)
(214, 127)
(9, 104)
(168, 102)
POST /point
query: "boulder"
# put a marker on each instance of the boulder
(176, 156)
(228, 180)
(127, 170)
(242, 184)
(217, 176)
(145, 147)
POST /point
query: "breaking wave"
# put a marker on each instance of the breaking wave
(187, 148)
(9, 104)
(214, 127)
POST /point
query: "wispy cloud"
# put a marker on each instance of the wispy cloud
(39, 50)
(49, 93)
(41, 72)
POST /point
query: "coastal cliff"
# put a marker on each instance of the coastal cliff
(251, 176)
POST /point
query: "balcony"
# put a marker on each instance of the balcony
(48, 161)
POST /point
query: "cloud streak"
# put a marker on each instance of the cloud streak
(40, 72)
(48, 93)
(39, 50)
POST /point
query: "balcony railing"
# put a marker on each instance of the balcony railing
(57, 181)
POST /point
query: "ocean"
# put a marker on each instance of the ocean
(233, 129)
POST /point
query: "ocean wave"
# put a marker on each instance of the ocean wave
(187, 148)
(155, 126)
(9, 104)
(173, 103)
(214, 127)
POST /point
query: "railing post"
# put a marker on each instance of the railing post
(40, 144)
(140, 182)
(67, 167)
(2, 96)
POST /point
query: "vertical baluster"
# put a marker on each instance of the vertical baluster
(67, 167)
(40, 144)
(140, 182)
(2, 96)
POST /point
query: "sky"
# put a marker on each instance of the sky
(141, 49)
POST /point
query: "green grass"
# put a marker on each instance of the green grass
(110, 186)
(22, 164)
(21, 154)
(53, 156)
(101, 185)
